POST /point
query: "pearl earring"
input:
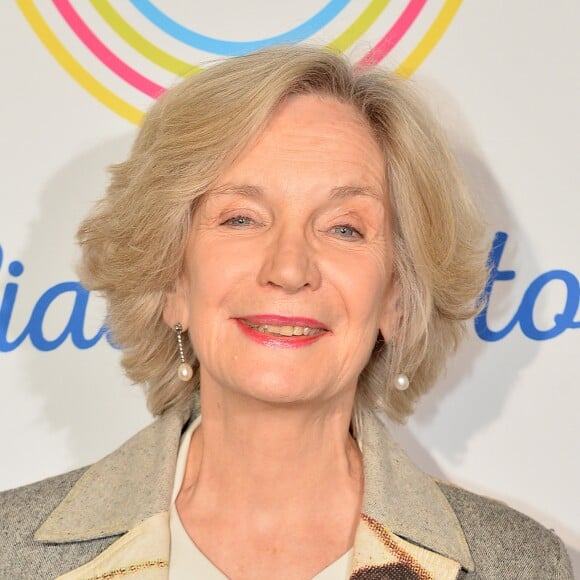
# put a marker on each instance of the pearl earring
(184, 370)
(401, 382)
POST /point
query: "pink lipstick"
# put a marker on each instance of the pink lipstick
(281, 331)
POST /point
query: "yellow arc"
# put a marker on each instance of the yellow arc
(78, 72)
(430, 39)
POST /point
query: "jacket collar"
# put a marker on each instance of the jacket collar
(135, 482)
(121, 490)
(405, 500)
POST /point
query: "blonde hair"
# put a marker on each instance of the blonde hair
(134, 240)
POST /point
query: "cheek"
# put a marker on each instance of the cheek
(215, 271)
(362, 282)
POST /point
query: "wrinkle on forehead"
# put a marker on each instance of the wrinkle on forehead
(310, 130)
(306, 113)
(338, 193)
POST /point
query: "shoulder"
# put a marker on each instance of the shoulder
(22, 511)
(503, 541)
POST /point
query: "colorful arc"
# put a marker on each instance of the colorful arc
(140, 44)
(132, 77)
(397, 31)
(151, 89)
(430, 39)
(359, 26)
(181, 68)
(74, 69)
(233, 48)
(110, 60)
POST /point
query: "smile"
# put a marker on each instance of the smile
(280, 331)
(286, 330)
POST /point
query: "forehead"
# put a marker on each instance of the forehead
(312, 141)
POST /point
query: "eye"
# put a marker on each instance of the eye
(346, 231)
(239, 221)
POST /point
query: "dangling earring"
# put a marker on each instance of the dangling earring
(184, 370)
(401, 382)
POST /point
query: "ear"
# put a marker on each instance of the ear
(391, 311)
(176, 307)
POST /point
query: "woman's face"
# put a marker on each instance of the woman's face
(288, 268)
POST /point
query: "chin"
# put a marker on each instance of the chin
(283, 395)
(277, 390)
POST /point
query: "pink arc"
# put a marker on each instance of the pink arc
(392, 37)
(154, 90)
(110, 60)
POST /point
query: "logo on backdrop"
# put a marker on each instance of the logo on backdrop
(138, 49)
(524, 314)
(73, 326)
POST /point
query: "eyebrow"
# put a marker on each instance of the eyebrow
(348, 191)
(340, 192)
(243, 190)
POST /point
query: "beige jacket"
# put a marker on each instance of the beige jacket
(111, 520)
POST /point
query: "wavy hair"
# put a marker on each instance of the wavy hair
(133, 242)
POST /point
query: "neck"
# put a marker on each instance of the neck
(279, 460)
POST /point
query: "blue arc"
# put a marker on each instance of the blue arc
(235, 48)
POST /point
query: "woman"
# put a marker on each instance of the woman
(287, 250)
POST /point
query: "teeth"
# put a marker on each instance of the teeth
(285, 330)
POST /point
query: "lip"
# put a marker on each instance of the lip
(280, 341)
(278, 320)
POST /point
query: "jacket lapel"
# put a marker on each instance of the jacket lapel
(407, 525)
(127, 493)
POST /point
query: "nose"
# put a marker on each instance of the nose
(289, 263)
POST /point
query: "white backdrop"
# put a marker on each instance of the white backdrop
(503, 77)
